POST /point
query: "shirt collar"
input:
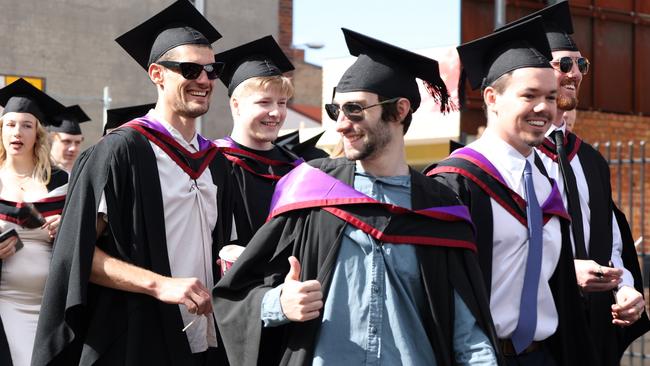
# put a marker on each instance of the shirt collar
(508, 161)
(396, 180)
(553, 128)
(192, 145)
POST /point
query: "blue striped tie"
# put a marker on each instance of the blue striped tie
(522, 337)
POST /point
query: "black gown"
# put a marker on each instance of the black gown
(314, 236)
(610, 340)
(21, 215)
(83, 323)
(570, 345)
(255, 173)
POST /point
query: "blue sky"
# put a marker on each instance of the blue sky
(411, 24)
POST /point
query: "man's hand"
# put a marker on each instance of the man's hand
(114, 273)
(187, 291)
(628, 308)
(301, 301)
(593, 277)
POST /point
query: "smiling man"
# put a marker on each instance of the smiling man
(517, 210)
(136, 249)
(604, 261)
(364, 260)
(259, 95)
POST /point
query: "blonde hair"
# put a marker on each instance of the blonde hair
(41, 156)
(279, 83)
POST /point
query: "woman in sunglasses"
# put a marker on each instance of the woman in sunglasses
(28, 230)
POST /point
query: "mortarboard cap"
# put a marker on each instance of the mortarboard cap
(69, 120)
(390, 71)
(557, 24)
(306, 149)
(455, 145)
(118, 116)
(177, 25)
(520, 46)
(22, 97)
(262, 57)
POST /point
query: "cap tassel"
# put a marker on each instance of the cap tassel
(440, 94)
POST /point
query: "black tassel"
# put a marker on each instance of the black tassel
(440, 94)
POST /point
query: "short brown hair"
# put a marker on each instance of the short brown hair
(499, 85)
(389, 112)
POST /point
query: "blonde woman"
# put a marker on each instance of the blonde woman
(32, 194)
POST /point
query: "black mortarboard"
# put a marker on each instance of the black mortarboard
(69, 120)
(520, 46)
(390, 71)
(306, 149)
(557, 24)
(22, 97)
(455, 145)
(262, 57)
(177, 25)
(118, 116)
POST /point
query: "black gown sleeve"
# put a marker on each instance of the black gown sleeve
(237, 298)
(65, 292)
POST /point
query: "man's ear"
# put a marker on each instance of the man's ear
(156, 74)
(403, 108)
(234, 106)
(490, 97)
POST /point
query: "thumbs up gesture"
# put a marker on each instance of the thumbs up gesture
(301, 301)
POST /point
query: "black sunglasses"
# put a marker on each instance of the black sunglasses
(565, 64)
(192, 71)
(353, 111)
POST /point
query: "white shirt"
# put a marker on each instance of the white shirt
(190, 217)
(553, 169)
(510, 243)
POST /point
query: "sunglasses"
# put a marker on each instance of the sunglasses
(353, 111)
(565, 64)
(192, 71)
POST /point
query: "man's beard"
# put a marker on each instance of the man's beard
(565, 102)
(185, 110)
(377, 138)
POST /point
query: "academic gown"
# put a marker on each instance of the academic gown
(255, 173)
(570, 344)
(314, 236)
(10, 211)
(83, 323)
(610, 340)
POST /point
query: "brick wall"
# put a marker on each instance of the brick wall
(307, 78)
(71, 44)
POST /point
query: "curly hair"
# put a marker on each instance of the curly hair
(41, 156)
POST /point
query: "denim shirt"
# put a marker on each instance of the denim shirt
(372, 314)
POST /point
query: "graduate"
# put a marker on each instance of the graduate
(157, 190)
(363, 259)
(259, 94)
(604, 262)
(32, 194)
(66, 137)
(518, 212)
